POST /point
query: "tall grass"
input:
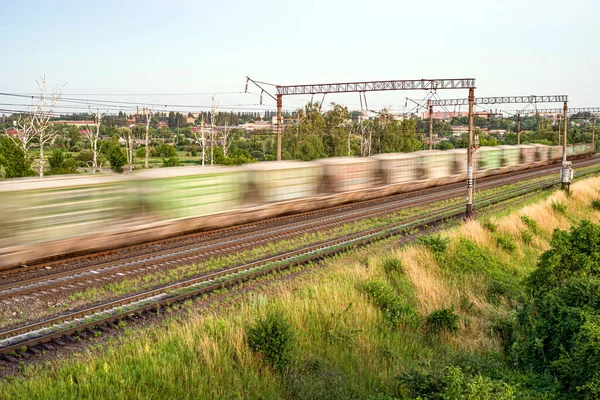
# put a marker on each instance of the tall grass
(347, 342)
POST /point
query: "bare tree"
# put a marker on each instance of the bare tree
(126, 135)
(200, 138)
(25, 132)
(226, 137)
(93, 135)
(42, 112)
(148, 114)
(213, 114)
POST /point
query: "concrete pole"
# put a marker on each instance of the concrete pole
(558, 129)
(279, 125)
(430, 124)
(564, 159)
(518, 128)
(593, 136)
(470, 151)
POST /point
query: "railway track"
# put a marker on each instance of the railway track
(29, 339)
(187, 254)
(99, 260)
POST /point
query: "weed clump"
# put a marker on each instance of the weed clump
(392, 265)
(489, 226)
(596, 204)
(443, 319)
(527, 236)
(559, 206)
(396, 310)
(435, 243)
(531, 224)
(272, 337)
(505, 243)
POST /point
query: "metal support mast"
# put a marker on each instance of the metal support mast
(470, 151)
(593, 136)
(279, 125)
(518, 128)
(430, 107)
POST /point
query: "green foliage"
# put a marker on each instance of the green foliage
(531, 224)
(435, 243)
(489, 225)
(505, 243)
(596, 204)
(573, 254)
(442, 320)
(171, 162)
(559, 206)
(141, 152)
(392, 265)
(273, 338)
(117, 158)
(164, 150)
(558, 329)
(318, 379)
(13, 162)
(61, 164)
(396, 309)
(527, 236)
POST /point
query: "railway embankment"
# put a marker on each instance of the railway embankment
(501, 307)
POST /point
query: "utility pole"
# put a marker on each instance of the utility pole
(565, 109)
(566, 172)
(430, 107)
(518, 128)
(558, 122)
(279, 125)
(593, 136)
(470, 151)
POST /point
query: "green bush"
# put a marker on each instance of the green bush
(596, 204)
(392, 265)
(171, 162)
(531, 224)
(443, 319)
(505, 243)
(61, 163)
(435, 243)
(395, 309)
(117, 158)
(141, 152)
(272, 337)
(559, 206)
(527, 236)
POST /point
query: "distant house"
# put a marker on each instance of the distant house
(72, 123)
(12, 131)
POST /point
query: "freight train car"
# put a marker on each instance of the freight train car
(59, 215)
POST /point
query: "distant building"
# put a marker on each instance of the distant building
(12, 131)
(72, 123)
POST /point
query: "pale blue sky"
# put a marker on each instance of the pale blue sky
(510, 47)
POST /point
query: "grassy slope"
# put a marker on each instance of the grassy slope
(345, 346)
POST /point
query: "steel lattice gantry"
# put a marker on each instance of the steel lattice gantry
(532, 99)
(374, 86)
(502, 100)
(591, 110)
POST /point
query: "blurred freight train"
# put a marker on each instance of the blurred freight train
(72, 214)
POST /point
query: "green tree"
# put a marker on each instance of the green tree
(117, 158)
(12, 160)
(61, 164)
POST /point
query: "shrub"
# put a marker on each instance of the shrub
(559, 206)
(435, 243)
(489, 225)
(392, 265)
(505, 243)
(443, 319)
(527, 236)
(531, 224)
(171, 162)
(117, 158)
(396, 310)
(596, 204)
(272, 337)
(61, 163)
